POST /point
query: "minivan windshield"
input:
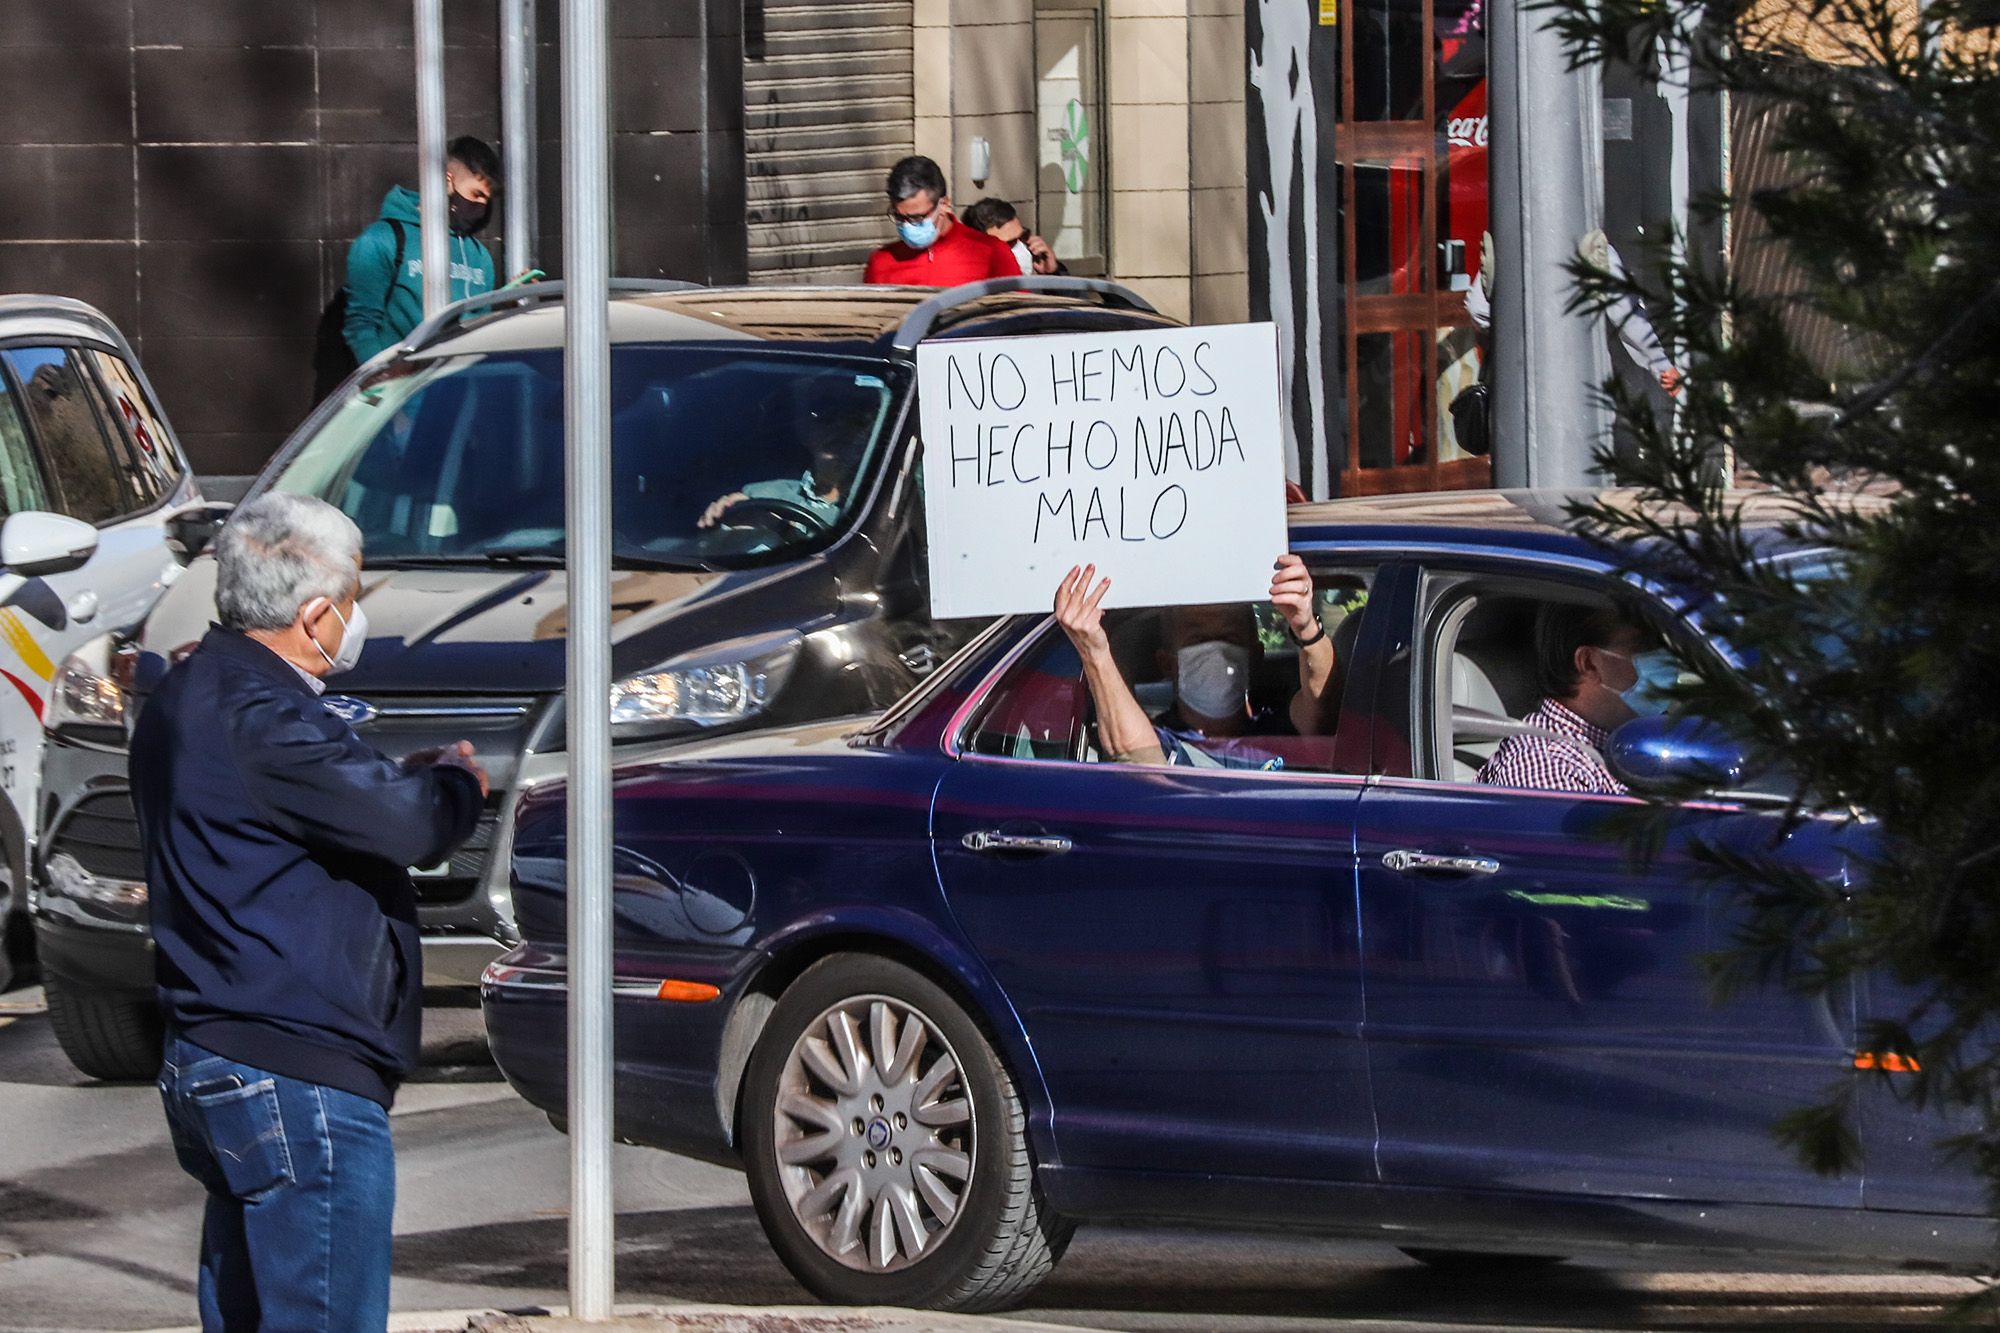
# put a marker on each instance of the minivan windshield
(720, 457)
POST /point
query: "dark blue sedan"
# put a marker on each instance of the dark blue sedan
(948, 981)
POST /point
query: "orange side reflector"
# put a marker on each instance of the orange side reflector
(1889, 1060)
(688, 992)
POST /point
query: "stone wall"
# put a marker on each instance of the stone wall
(197, 168)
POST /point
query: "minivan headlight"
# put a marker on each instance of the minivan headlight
(68, 879)
(88, 693)
(727, 684)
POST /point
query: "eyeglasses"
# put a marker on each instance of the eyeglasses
(896, 213)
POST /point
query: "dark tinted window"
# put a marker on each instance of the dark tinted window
(148, 457)
(57, 399)
(461, 458)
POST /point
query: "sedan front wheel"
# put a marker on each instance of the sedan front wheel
(887, 1148)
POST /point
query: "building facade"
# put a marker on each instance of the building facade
(198, 169)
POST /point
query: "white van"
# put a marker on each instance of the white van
(91, 482)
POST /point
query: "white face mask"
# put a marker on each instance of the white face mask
(353, 638)
(1024, 257)
(1214, 678)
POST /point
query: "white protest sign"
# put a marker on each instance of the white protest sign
(1155, 454)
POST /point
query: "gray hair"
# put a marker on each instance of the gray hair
(279, 552)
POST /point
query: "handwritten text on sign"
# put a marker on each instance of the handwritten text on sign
(1156, 455)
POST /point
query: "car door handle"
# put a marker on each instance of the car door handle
(1034, 844)
(1405, 862)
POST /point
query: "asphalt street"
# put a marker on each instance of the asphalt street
(98, 1229)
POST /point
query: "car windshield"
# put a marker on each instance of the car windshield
(720, 457)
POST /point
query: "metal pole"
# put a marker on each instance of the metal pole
(587, 427)
(1547, 186)
(433, 225)
(517, 130)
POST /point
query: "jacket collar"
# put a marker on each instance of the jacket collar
(238, 647)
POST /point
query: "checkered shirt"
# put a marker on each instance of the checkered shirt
(1575, 762)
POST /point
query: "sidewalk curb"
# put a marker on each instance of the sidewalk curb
(768, 1319)
(710, 1319)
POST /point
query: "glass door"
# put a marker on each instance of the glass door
(1410, 140)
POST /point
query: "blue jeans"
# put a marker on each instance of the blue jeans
(301, 1183)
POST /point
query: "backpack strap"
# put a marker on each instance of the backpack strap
(396, 266)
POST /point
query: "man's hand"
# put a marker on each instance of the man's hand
(1077, 611)
(1670, 380)
(417, 759)
(713, 514)
(1292, 594)
(456, 755)
(1044, 258)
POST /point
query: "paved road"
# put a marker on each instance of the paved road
(97, 1231)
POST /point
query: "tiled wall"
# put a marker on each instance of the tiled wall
(975, 75)
(198, 167)
(1146, 43)
(1175, 98)
(1217, 148)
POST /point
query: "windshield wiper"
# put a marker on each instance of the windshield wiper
(467, 559)
(668, 563)
(541, 556)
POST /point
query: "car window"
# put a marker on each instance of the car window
(720, 457)
(150, 459)
(20, 480)
(1485, 687)
(58, 404)
(1037, 711)
(1043, 708)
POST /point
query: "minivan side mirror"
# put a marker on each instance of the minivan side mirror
(35, 541)
(1668, 755)
(193, 526)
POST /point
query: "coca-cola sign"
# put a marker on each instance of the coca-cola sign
(1466, 131)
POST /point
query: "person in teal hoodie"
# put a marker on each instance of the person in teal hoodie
(385, 301)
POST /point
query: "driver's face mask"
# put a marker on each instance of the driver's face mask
(1655, 672)
(1213, 678)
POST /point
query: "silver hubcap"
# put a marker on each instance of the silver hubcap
(874, 1133)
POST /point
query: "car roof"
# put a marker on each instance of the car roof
(1526, 519)
(31, 315)
(845, 319)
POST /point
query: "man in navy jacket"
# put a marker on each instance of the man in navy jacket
(277, 844)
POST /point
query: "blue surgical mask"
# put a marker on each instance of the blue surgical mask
(919, 235)
(1656, 673)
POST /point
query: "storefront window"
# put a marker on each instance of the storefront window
(1069, 103)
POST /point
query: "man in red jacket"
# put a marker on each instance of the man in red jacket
(931, 248)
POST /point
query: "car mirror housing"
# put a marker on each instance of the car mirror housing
(192, 527)
(1662, 755)
(37, 542)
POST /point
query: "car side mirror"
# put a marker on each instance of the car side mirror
(36, 542)
(1668, 755)
(193, 526)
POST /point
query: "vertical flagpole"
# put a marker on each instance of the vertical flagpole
(434, 245)
(587, 441)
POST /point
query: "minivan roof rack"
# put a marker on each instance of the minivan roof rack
(917, 325)
(531, 293)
